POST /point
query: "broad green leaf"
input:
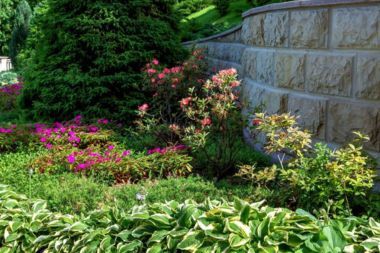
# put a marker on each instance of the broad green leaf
(192, 241)
(156, 248)
(237, 241)
(239, 228)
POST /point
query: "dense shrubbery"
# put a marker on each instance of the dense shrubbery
(211, 226)
(342, 177)
(206, 116)
(92, 63)
(187, 7)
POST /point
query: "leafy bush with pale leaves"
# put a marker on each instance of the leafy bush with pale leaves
(315, 174)
(213, 226)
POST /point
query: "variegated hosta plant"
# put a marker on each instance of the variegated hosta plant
(213, 226)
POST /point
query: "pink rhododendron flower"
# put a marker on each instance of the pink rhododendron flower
(161, 75)
(43, 139)
(186, 101)
(144, 107)
(234, 84)
(111, 147)
(206, 122)
(155, 61)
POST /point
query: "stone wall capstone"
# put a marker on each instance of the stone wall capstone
(319, 59)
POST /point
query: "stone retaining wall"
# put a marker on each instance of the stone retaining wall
(318, 59)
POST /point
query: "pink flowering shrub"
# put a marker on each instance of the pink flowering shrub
(167, 86)
(8, 95)
(209, 114)
(215, 118)
(113, 164)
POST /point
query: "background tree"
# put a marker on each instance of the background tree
(90, 57)
(7, 15)
(20, 30)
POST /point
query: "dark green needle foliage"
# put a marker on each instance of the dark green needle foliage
(20, 29)
(91, 54)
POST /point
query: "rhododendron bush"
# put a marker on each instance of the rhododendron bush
(90, 150)
(209, 114)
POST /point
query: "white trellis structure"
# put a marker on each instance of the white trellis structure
(5, 63)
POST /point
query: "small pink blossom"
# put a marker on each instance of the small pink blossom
(144, 107)
(155, 61)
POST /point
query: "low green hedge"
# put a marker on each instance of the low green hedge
(213, 226)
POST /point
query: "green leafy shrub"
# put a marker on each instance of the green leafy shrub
(94, 65)
(8, 77)
(316, 174)
(211, 226)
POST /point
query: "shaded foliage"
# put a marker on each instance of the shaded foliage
(90, 55)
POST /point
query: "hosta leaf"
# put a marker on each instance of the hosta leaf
(307, 214)
(15, 225)
(334, 237)
(105, 244)
(12, 237)
(263, 228)
(10, 203)
(217, 236)
(178, 232)
(192, 241)
(172, 242)
(129, 247)
(39, 205)
(142, 230)
(160, 220)
(5, 250)
(156, 248)
(158, 236)
(371, 244)
(124, 235)
(185, 215)
(239, 228)
(237, 241)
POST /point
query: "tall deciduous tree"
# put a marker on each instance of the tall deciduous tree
(90, 57)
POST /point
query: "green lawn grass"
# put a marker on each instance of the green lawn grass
(208, 21)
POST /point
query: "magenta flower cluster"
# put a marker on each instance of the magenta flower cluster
(89, 158)
(11, 89)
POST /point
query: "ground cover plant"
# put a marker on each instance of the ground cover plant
(212, 226)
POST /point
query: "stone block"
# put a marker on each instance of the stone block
(344, 118)
(356, 27)
(290, 70)
(308, 28)
(329, 74)
(272, 101)
(252, 32)
(226, 51)
(368, 78)
(311, 112)
(248, 62)
(265, 67)
(276, 25)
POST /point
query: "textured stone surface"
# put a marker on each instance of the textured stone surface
(233, 37)
(290, 70)
(253, 30)
(276, 27)
(312, 112)
(368, 77)
(226, 51)
(345, 118)
(265, 67)
(216, 65)
(253, 95)
(308, 29)
(356, 27)
(248, 62)
(329, 74)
